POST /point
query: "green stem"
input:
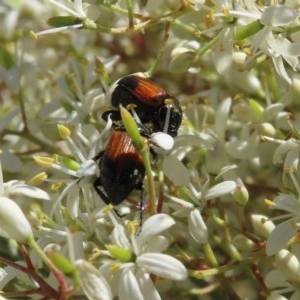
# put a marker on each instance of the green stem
(241, 210)
(130, 13)
(214, 263)
(141, 145)
(45, 288)
(223, 269)
(210, 255)
(207, 46)
(91, 25)
(65, 291)
(150, 179)
(161, 183)
(161, 50)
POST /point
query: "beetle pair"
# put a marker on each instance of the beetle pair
(121, 166)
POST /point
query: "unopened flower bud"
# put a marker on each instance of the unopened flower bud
(241, 195)
(242, 243)
(61, 262)
(13, 223)
(262, 225)
(267, 129)
(288, 264)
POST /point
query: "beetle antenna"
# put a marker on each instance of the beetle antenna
(95, 144)
(141, 210)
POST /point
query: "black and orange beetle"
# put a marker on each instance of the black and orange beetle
(152, 103)
(121, 168)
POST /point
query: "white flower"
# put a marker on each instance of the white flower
(268, 39)
(131, 279)
(13, 223)
(196, 225)
(277, 47)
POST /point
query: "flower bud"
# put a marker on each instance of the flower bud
(267, 129)
(262, 225)
(61, 262)
(288, 264)
(241, 195)
(242, 243)
(13, 223)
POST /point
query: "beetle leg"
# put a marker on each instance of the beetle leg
(98, 156)
(97, 184)
(141, 210)
(115, 115)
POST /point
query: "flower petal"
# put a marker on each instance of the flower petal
(261, 225)
(278, 15)
(92, 281)
(175, 170)
(222, 55)
(16, 187)
(220, 189)
(286, 202)
(162, 265)
(129, 287)
(148, 288)
(155, 225)
(280, 236)
(197, 227)
(13, 222)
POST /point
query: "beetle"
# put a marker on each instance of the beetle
(153, 104)
(121, 168)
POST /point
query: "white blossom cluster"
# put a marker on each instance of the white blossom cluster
(227, 194)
